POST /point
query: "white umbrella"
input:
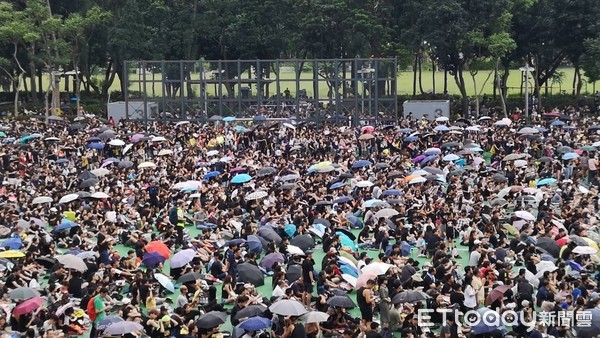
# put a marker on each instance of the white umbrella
(158, 139)
(288, 307)
(544, 266)
(504, 122)
(165, 152)
(314, 317)
(451, 157)
(417, 180)
(441, 119)
(99, 195)
(116, 143)
(520, 163)
(53, 139)
(70, 261)
(100, 172)
(377, 268)
(146, 165)
(195, 195)
(289, 125)
(386, 213)
(350, 279)
(165, 281)
(180, 123)
(584, 250)
(256, 195)
(187, 185)
(68, 198)
(212, 153)
(364, 184)
(294, 250)
(526, 215)
(473, 128)
(126, 149)
(42, 200)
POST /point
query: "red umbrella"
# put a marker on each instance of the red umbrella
(28, 306)
(496, 294)
(160, 247)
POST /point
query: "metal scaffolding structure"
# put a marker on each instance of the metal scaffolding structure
(341, 90)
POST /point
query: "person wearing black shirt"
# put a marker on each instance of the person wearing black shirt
(308, 277)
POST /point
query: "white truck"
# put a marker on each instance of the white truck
(429, 109)
(132, 110)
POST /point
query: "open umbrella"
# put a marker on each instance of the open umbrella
(269, 260)
(211, 319)
(341, 301)
(70, 261)
(361, 164)
(256, 195)
(288, 307)
(182, 258)
(304, 242)
(121, 328)
(191, 277)
(13, 243)
(526, 215)
(107, 321)
(164, 281)
(293, 273)
(23, 293)
(386, 213)
(152, 259)
(549, 245)
(254, 244)
(28, 306)
(496, 293)
(584, 250)
(270, 235)
(409, 296)
(254, 324)
(68, 198)
(160, 247)
(314, 317)
(241, 178)
(251, 311)
(42, 200)
(249, 273)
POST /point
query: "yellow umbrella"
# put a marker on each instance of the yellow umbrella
(70, 215)
(323, 164)
(220, 139)
(511, 229)
(349, 256)
(12, 254)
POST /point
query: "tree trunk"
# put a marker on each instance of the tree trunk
(19, 78)
(421, 75)
(579, 82)
(33, 96)
(473, 74)
(574, 87)
(433, 74)
(496, 82)
(445, 81)
(460, 82)
(110, 78)
(499, 86)
(538, 85)
(415, 76)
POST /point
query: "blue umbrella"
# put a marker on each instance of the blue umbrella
(482, 326)
(432, 151)
(96, 145)
(405, 131)
(240, 128)
(189, 189)
(546, 181)
(346, 241)
(371, 202)
(319, 227)
(290, 229)
(74, 99)
(348, 269)
(254, 244)
(61, 161)
(343, 199)
(337, 185)
(392, 192)
(570, 156)
(411, 139)
(27, 138)
(361, 164)
(255, 324)
(235, 241)
(441, 128)
(541, 129)
(355, 221)
(108, 320)
(13, 243)
(229, 119)
(65, 225)
(152, 259)
(427, 160)
(557, 123)
(260, 118)
(211, 174)
(241, 178)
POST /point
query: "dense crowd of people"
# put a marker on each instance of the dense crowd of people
(300, 230)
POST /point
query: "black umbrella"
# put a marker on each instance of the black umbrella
(46, 262)
(125, 164)
(293, 273)
(341, 301)
(211, 319)
(322, 221)
(304, 242)
(266, 171)
(190, 277)
(90, 182)
(251, 311)
(409, 297)
(382, 165)
(549, 245)
(249, 273)
(93, 139)
(499, 178)
(83, 194)
(86, 174)
(288, 186)
(394, 174)
(345, 175)
(270, 235)
(323, 203)
(450, 145)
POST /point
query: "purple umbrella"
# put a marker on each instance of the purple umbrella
(269, 260)
(182, 258)
(109, 161)
(418, 159)
(38, 221)
(152, 259)
(136, 138)
(237, 170)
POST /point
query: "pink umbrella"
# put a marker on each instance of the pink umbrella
(136, 138)
(367, 129)
(363, 278)
(237, 170)
(28, 306)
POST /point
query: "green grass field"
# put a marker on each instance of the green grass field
(405, 84)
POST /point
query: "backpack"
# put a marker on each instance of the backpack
(91, 309)
(173, 215)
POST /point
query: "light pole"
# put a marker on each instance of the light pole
(526, 70)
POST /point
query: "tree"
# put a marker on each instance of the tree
(18, 31)
(500, 46)
(590, 60)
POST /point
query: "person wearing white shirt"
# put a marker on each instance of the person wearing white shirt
(279, 290)
(470, 294)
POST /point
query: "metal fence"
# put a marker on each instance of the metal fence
(343, 90)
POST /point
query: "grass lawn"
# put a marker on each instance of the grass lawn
(405, 80)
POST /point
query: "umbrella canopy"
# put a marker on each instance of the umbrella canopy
(249, 273)
(254, 244)
(152, 259)
(107, 321)
(549, 245)
(361, 164)
(409, 296)
(257, 195)
(23, 293)
(255, 324)
(266, 171)
(269, 260)
(68, 198)
(314, 317)
(304, 242)
(41, 200)
(293, 273)
(191, 277)
(164, 281)
(251, 311)
(70, 261)
(160, 247)
(526, 215)
(241, 178)
(182, 258)
(584, 250)
(487, 322)
(211, 319)
(496, 293)
(28, 306)
(121, 328)
(12, 243)
(341, 301)
(386, 213)
(288, 307)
